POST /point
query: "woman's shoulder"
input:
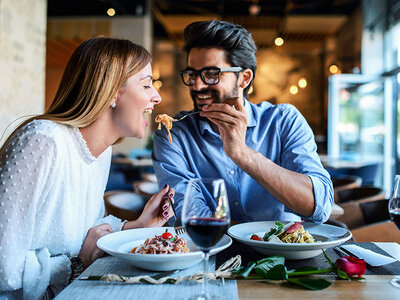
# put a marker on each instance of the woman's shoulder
(46, 128)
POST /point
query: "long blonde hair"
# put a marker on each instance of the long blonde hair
(95, 72)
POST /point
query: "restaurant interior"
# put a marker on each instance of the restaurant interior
(336, 61)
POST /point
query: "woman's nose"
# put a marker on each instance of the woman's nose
(156, 99)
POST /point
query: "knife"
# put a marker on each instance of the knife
(370, 257)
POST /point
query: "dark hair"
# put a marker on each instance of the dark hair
(239, 46)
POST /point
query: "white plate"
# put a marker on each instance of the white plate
(328, 235)
(120, 243)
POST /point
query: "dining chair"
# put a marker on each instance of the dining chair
(125, 205)
(145, 188)
(363, 193)
(361, 212)
(345, 182)
(384, 231)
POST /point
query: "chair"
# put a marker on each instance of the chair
(365, 193)
(117, 181)
(125, 205)
(367, 172)
(145, 188)
(345, 182)
(362, 212)
(377, 232)
(375, 211)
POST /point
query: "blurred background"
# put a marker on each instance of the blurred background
(337, 61)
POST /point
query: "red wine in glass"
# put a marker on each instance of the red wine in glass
(206, 232)
(395, 217)
(394, 213)
(206, 216)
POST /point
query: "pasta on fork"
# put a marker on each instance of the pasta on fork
(167, 122)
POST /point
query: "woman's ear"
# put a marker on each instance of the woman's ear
(245, 78)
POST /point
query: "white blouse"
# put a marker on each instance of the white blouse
(51, 193)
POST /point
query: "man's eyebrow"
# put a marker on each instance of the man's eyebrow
(148, 76)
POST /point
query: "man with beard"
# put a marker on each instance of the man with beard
(265, 153)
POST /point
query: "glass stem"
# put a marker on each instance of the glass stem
(205, 271)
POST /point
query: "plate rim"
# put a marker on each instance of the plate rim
(156, 256)
(289, 247)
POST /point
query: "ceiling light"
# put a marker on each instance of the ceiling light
(333, 69)
(279, 41)
(254, 9)
(293, 90)
(111, 12)
(302, 82)
(157, 84)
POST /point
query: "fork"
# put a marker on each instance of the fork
(179, 229)
(189, 114)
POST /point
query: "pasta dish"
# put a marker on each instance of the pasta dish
(167, 122)
(289, 233)
(162, 244)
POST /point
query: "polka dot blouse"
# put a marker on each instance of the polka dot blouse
(51, 193)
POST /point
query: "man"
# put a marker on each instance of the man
(265, 153)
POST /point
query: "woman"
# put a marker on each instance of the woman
(54, 168)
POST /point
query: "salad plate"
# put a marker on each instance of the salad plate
(325, 236)
(119, 244)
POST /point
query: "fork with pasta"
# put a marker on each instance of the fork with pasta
(167, 122)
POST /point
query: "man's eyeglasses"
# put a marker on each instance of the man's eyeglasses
(209, 75)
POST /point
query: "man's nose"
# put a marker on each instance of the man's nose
(199, 84)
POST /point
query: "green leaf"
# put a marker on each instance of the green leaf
(278, 226)
(265, 264)
(341, 274)
(245, 271)
(303, 269)
(278, 272)
(311, 284)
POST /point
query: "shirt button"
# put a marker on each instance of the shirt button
(236, 202)
(232, 172)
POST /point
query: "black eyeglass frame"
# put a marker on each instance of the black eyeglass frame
(199, 72)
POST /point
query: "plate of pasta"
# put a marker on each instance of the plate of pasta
(156, 248)
(293, 240)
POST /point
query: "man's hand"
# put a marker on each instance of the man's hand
(230, 118)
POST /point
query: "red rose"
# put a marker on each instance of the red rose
(352, 266)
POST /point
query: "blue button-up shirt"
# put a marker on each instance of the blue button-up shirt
(279, 132)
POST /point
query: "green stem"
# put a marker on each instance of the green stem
(319, 271)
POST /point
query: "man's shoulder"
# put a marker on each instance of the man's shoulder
(267, 109)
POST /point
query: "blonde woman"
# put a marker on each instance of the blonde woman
(54, 169)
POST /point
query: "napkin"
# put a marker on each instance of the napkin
(372, 258)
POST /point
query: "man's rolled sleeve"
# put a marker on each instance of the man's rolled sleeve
(323, 195)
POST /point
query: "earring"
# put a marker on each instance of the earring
(113, 105)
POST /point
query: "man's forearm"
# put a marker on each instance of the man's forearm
(292, 189)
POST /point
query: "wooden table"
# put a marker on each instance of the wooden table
(374, 287)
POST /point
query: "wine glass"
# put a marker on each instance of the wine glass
(394, 213)
(205, 224)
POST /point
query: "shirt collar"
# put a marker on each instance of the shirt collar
(251, 120)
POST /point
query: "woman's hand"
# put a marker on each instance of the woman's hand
(156, 212)
(89, 251)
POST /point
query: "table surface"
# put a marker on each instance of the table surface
(374, 287)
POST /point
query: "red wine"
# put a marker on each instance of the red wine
(395, 217)
(206, 232)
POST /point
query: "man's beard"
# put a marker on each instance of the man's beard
(214, 94)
